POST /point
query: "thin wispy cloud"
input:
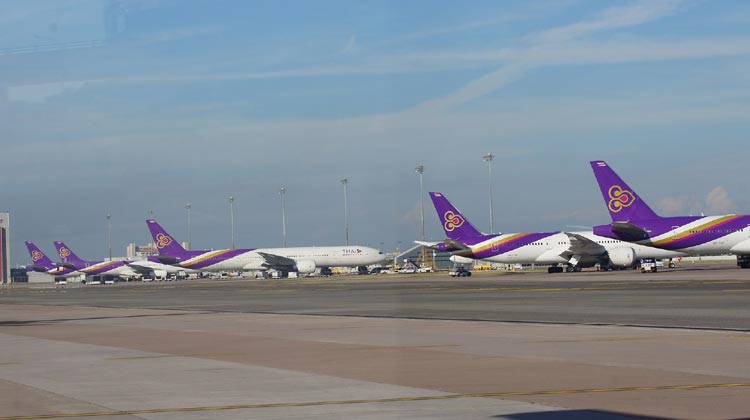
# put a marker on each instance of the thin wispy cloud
(613, 18)
(635, 14)
(350, 46)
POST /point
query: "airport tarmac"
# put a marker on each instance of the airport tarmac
(673, 344)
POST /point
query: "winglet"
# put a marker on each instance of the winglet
(623, 204)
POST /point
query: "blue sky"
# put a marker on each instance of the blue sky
(169, 102)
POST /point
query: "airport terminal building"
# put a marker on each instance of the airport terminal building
(4, 247)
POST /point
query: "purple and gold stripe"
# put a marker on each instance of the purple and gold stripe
(502, 245)
(703, 233)
(102, 267)
(212, 258)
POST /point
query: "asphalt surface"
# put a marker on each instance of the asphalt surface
(383, 347)
(715, 297)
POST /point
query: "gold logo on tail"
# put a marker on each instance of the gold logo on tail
(619, 198)
(36, 255)
(64, 252)
(162, 240)
(452, 221)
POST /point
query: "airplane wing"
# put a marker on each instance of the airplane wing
(138, 268)
(433, 245)
(448, 245)
(627, 230)
(277, 261)
(581, 247)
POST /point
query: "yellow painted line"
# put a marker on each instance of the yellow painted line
(598, 340)
(274, 290)
(375, 401)
(9, 363)
(736, 290)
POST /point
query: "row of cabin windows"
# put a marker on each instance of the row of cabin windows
(617, 242)
(559, 243)
(305, 256)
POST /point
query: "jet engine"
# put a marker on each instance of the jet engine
(461, 260)
(305, 266)
(622, 256)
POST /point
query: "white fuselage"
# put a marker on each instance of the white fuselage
(327, 256)
(549, 250)
(102, 269)
(734, 241)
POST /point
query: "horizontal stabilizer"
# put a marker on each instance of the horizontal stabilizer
(448, 245)
(629, 231)
(453, 245)
(165, 259)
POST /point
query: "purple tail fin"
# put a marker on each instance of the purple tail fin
(165, 244)
(38, 259)
(623, 203)
(454, 223)
(66, 255)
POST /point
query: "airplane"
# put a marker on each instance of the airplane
(634, 221)
(576, 250)
(302, 260)
(93, 268)
(150, 265)
(43, 264)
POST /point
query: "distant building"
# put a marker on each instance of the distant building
(5, 248)
(135, 251)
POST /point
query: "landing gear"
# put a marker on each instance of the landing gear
(555, 269)
(573, 269)
(362, 270)
(743, 261)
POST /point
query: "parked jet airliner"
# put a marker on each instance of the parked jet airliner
(93, 268)
(43, 264)
(298, 259)
(574, 249)
(634, 221)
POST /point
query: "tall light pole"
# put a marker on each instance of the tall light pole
(282, 192)
(420, 170)
(345, 182)
(109, 235)
(187, 209)
(488, 158)
(231, 217)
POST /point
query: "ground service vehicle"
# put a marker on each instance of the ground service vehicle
(459, 272)
(648, 265)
